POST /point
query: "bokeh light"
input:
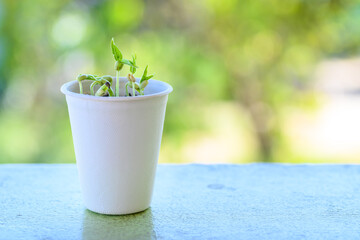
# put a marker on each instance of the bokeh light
(274, 82)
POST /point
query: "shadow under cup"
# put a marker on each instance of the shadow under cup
(133, 226)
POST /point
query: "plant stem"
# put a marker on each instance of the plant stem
(126, 89)
(133, 87)
(117, 87)
(80, 87)
(111, 93)
(92, 88)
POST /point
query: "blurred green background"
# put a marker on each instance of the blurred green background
(273, 81)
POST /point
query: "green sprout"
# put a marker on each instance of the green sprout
(83, 77)
(144, 80)
(103, 90)
(132, 84)
(132, 81)
(106, 81)
(102, 81)
(138, 86)
(119, 63)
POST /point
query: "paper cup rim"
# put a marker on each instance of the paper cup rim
(168, 89)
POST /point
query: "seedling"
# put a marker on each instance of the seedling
(105, 81)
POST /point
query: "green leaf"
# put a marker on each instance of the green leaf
(134, 59)
(115, 51)
(143, 78)
(127, 62)
(145, 71)
(150, 76)
(133, 62)
(118, 66)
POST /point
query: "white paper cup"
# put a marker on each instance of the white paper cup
(117, 142)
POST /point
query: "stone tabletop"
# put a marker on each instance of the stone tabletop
(255, 201)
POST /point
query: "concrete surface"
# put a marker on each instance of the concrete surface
(257, 201)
